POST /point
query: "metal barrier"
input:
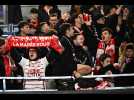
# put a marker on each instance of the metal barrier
(64, 77)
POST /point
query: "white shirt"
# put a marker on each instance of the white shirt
(34, 69)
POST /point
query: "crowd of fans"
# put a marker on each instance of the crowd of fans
(95, 40)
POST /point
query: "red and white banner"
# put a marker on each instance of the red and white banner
(35, 41)
(30, 41)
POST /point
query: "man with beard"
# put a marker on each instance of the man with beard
(84, 60)
(67, 65)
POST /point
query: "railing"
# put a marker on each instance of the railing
(64, 77)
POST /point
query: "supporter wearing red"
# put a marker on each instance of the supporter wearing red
(5, 64)
(106, 67)
(35, 64)
(106, 45)
(44, 30)
(24, 30)
(32, 67)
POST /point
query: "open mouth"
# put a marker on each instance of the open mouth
(31, 56)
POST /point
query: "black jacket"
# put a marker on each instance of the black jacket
(83, 56)
(2, 66)
(99, 28)
(111, 22)
(66, 64)
(88, 33)
(129, 68)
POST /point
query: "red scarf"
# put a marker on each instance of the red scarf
(52, 42)
(7, 66)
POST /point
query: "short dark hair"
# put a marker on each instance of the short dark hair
(53, 12)
(113, 6)
(22, 24)
(107, 29)
(40, 26)
(130, 46)
(53, 15)
(34, 10)
(103, 57)
(64, 27)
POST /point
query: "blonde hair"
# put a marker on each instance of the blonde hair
(123, 56)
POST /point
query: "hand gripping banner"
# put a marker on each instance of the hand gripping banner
(34, 41)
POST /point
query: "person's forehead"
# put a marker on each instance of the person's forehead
(80, 36)
(107, 59)
(26, 25)
(45, 24)
(101, 18)
(32, 49)
(130, 50)
(53, 17)
(105, 32)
